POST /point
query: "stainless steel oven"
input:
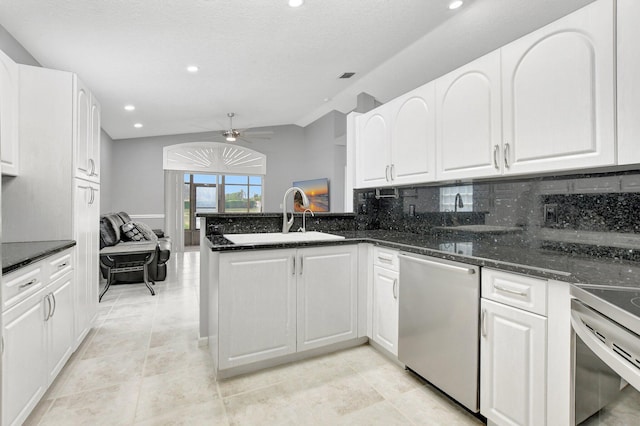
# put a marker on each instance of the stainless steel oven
(606, 368)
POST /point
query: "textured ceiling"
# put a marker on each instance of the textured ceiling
(267, 62)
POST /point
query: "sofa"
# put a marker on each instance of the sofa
(118, 228)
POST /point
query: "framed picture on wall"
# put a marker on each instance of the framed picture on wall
(317, 190)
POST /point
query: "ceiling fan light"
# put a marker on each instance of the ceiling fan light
(295, 3)
(455, 4)
(231, 138)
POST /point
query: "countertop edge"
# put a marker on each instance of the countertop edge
(64, 244)
(476, 261)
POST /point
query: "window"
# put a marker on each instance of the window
(242, 194)
(448, 198)
(212, 193)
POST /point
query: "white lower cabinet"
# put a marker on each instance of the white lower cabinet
(327, 295)
(278, 302)
(257, 310)
(23, 360)
(38, 336)
(513, 357)
(385, 308)
(60, 326)
(386, 288)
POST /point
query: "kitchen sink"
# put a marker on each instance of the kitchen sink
(279, 237)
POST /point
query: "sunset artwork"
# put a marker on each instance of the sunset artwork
(317, 190)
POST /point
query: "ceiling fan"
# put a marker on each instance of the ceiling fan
(233, 135)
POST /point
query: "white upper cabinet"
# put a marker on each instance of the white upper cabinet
(395, 143)
(628, 82)
(413, 137)
(9, 115)
(86, 140)
(372, 148)
(469, 122)
(544, 102)
(558, 94)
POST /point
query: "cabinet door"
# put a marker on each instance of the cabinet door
(24, 359)
(413, 136)
(469, 120)
(385, 308)
(513, 364)
(82, 130)
(628, 81)
(327, 295)
(558, 94)
(86, 225)
(60, 326)
(257, 312)
(9, 115)
(94, 141)
(372, 148)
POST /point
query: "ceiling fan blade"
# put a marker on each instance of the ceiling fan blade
(258, 133)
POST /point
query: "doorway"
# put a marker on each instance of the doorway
(200, 196)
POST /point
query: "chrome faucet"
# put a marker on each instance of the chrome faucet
(286, 223)
(457, 202)
(304, 222)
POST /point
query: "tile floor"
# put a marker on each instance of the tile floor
(142, 365)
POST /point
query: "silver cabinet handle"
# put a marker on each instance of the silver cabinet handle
(293, 269)
(386, 173)
(508, 290)
(392, 171)
(92, 199)
(483, 323)
(92, 165)
(48, 313)
(395, 289)
(506, 155)
(63, 264)
(28, 283)
(55, 304)
(385, 259)
(496, 149)
(301, 264)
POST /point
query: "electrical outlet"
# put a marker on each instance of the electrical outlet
(550, 214)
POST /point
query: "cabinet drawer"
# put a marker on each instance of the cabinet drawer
(59, 264)
(22, 283)
(387, 258)
(519, 291)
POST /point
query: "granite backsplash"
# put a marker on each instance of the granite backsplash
(594, 214)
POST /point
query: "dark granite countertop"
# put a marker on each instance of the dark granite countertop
(495, 251)
(18, 255)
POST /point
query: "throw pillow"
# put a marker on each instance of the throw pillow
(147, 231)
(136, 231)
(132, 232)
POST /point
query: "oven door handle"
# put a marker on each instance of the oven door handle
(620, 365)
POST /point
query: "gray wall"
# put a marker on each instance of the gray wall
(14, 50)
(136, 177)
(106, 172)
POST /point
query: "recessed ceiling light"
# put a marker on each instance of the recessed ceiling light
(455, 4)
(192, 68)
(129, 107)
(295, 3)
(137, 125)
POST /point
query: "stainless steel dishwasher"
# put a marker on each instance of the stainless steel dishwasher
(438, 325)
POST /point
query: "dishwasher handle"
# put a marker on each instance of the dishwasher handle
(453, 268)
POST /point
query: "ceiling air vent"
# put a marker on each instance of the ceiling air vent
(347, 75)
